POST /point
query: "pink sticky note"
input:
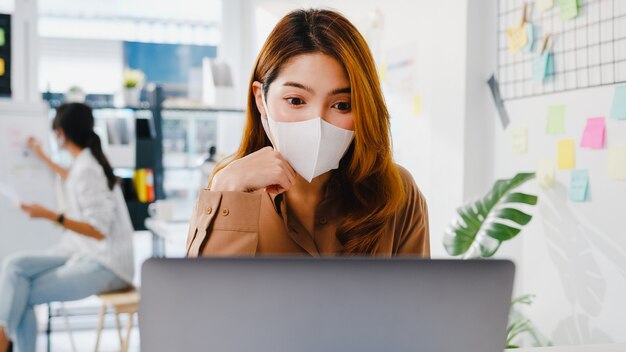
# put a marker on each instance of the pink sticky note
(594, 134)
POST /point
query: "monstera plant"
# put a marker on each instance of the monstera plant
(483, 224)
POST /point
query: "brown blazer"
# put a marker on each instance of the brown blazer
(257, 223)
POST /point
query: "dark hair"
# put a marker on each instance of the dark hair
(76, 121)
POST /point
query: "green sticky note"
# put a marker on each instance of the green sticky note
(2, 40)
(568, 9)
(542, 67)
(579, 186)
(556, 120)
(618, 108)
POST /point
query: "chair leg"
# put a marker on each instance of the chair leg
(68, 327)
(49, 328)
(119, 327)
(103, 311)
(129, 328)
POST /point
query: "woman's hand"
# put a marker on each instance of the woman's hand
(265, 168)
(35, 211)
(34, 145)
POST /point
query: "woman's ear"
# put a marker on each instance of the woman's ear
(257, 90)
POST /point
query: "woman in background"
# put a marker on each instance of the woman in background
(95, 254)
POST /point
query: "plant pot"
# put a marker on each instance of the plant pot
(132, 96)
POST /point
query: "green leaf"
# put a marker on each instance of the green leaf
(514, 215)
(521, 198)
(524, 299)
(494, 215)
(501, 232)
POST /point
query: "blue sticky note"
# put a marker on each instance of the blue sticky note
(542, 67)
(579, 186)
(530, 32)
(618, 108)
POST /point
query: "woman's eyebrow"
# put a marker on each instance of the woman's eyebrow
(312, 91)
(299, 85)
(340, 91)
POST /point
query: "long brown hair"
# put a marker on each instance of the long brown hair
(371, 184)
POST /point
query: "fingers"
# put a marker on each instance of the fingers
(26, 208)
(288, 167)
(274, 189)
(282, 179)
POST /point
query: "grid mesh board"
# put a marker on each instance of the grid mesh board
(589, 50)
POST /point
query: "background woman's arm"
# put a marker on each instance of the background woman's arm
(34, 145)
(37, 211)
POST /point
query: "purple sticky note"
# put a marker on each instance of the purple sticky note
(594, 134)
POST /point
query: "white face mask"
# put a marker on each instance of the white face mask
(60, 141)
(312, 147)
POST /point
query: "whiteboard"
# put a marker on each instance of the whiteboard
(27, 175)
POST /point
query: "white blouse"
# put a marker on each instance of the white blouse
(88, 199)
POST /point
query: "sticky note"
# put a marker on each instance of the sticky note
(556, 120)
(579, 186)
(517, 38)
(618, 108)
(565, 154)
(417, 105)
(545, 5)
(542, 67)
(519, 140)
(617, 162)
(530, 35)
(594, 133)
(1, 66)
(545, 174)
(2, 38)
(568, 8)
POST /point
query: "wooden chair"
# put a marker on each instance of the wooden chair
(121, 302)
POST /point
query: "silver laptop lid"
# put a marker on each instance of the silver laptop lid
(342, 304)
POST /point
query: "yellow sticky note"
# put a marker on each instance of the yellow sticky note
(565, 154)
(617, 162)
(569, 9)
(1, 66)
(545, 5)
(545, 174)
(382, 72)
(519, 140)
(417, 105)
(517, 38)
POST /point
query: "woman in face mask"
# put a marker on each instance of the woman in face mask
(95, 253)
(314, 173)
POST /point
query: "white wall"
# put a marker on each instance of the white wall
(94, 65)
(572, 256)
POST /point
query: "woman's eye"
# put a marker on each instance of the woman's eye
(343, 106)
(295, 101)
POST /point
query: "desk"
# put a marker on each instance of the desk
(585, 348)
(172, 232)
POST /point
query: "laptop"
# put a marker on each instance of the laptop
(339, 304)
